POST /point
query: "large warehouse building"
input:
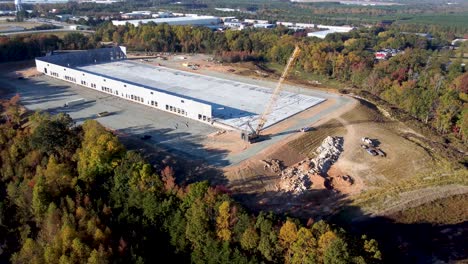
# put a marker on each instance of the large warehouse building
(211, 100)
(187, 20)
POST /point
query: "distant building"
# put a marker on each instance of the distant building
(332, 29)
(64, 17)
(235, 25)
(264, 25)
(459, 40)
(227, 9)
(381, 55)
(254, 21)
(198, 21)
(386, 54)
(44, 1)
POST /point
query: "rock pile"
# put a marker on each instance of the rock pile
(296, 179)
(327, 154)
(274, 165)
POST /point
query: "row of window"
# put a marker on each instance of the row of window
(71, 79)
(109, 90)
(175, 110)
(204, 118)
(135, 98)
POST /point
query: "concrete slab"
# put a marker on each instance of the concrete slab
(233, 103)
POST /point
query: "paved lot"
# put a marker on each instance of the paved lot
(174, 133)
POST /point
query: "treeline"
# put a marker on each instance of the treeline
(74, 194)
(422, 79)
(25, 47)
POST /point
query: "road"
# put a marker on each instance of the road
(46, 31)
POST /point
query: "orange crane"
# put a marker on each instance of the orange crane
(254, 135)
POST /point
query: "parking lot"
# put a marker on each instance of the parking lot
(126, 118)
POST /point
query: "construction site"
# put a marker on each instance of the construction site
(222, 103)
(275, 144)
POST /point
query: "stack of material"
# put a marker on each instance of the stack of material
(327, 154)
(296, 179)
(274, 165)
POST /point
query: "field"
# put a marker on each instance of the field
(27, 25)
(450, 210)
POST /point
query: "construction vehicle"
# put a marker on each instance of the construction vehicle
(255, 134)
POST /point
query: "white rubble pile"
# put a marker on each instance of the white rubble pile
(327, 154)
(296, 179)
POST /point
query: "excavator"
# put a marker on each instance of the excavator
(255, 134)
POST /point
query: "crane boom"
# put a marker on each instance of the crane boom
(274, 96)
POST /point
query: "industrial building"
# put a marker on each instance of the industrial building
(186, 20)
(331, 30)
(219, 102)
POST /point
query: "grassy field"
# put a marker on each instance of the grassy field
(27, 25)
(450, 210)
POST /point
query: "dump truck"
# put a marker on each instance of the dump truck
(74, 102)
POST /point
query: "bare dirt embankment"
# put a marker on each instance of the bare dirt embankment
(405, 178)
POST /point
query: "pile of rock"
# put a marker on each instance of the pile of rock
(274, 165)
(327, 154)
(296, 179)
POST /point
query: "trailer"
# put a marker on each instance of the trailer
(74, 102)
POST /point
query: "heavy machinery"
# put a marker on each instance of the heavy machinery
(255, 134)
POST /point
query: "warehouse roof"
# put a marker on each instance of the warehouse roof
(233, 103)
(187, 20)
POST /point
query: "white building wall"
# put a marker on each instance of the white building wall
(159, 100)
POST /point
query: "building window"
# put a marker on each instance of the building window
(204, 118)
(151, 92)
(182, 101)
(167, 107)
(170, 107)
(104, 79)
(131, 96)
(152, 103)
(199, 116)
(141, 100)
(125, 85)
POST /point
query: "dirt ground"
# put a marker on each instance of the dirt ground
(258, 188)
(404, 160)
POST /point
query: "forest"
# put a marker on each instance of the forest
(73, 194)
(428, 82)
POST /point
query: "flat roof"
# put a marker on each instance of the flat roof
(169, 20)
(233, 103)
